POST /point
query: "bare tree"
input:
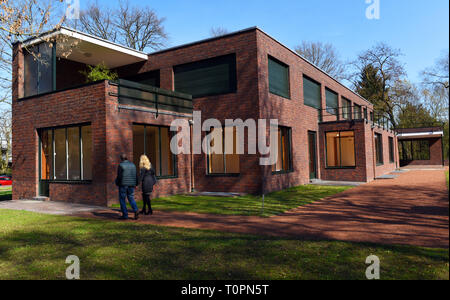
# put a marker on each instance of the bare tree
(139, 28)
(218, 31)
(439, 73)
(385, 61)
(324, 56)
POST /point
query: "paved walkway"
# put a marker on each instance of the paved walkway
(49, 207)
(411, 209)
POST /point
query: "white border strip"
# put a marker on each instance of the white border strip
(440, 133)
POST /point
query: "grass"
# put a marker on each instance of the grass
(35, 246)
(250, 205)
(5, 193)
(446, 177)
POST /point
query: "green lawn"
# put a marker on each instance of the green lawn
(35, 246)
(5, 193)
(446, 177)
(249, 205)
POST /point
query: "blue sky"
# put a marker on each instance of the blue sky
(419, 28)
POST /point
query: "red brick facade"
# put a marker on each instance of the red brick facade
(112, 126)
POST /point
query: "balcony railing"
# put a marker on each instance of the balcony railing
(137, 94)
(349, 113)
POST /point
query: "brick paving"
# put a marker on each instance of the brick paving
(412, 209)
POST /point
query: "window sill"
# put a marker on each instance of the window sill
(379, 165)
(340, 168)
(68, 181)
(224, 175)
(282, 96)
(282, 172)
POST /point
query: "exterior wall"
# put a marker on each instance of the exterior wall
(83, 105)
(387, 166)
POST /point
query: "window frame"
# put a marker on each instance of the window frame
(289, 145)
(303, 90)
(174, 157)
(271, 58)
(328, 108)
(379, 155)
(348, 113)
(340, 152)
(391, 150)
(67, 180)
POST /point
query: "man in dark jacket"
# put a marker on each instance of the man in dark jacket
(127, 180)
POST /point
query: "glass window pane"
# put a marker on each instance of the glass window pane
(232, 160)
(278, 78)
(30, 75)
(46, 155)
(45, 68)
(312, 93)
(73, 141)
(86, 135)
(216, 160)
(333, 149)
(152, 148)
(60, 154)
(347, 149)
(378, 148)
(138, 143)
(332, 102)
(166, 154)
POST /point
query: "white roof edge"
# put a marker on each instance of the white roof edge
(421, 133)
(87, 38)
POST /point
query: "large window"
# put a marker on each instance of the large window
(379, 148)
(346, 109)
(340, 148)
(38, 70)
(312, 93)
(207, 77)
(391, 150)
(414, 150)
(66, 153)
(357, 112)
(332, 102)
(278, 78)
(284, 159)
(151, 78)
(154, 141)
(226, 159)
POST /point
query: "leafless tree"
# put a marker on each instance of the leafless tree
(218, 31)
(325, 56)
(385, 60)
(439, 73)
(139, 28)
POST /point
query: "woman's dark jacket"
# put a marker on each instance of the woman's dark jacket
(148, 180)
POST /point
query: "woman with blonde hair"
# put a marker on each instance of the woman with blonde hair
(148, 179)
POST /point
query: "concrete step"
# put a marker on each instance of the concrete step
(41, 198)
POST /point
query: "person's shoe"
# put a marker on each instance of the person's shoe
(136, 215)
(150, 212)
(142, 212)
(123, 218)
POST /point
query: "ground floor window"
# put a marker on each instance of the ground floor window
(414, 150)
(226, 159)
(379, 148)
(154, 141)
(340, 149)
(284, 161)
(66, 153)
(391, 150)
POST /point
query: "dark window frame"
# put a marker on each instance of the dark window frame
(306, 77)
(379, 155)
(230, 58)
(391, 150)
(340, 152)
(174, 157)
(413, 157)
(277, 61)
(289, 146)
(52, 173)
(347, 115)
(330, 109)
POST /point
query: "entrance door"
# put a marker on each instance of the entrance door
(312, 155)
(45, 161)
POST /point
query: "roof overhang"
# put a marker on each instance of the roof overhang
(420, 135)
(88, 49)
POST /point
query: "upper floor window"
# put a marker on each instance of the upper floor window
(278, 78)
(357, 112)
(332, 101)
(346, 109)
(38, 69)
(312, 93)
(207, 77)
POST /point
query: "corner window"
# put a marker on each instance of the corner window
(332, 102)
(410, 150)
(379, 148)
(66, 153)
(312, 93)
(284, 159)
(38, 69)
(278, 78)
(222, 156)
(207, 77)
(154, 141)
(340, 149)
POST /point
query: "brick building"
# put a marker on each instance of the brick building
(68, 135)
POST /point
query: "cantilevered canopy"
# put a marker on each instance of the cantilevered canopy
(419, 133)
(87, 49)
